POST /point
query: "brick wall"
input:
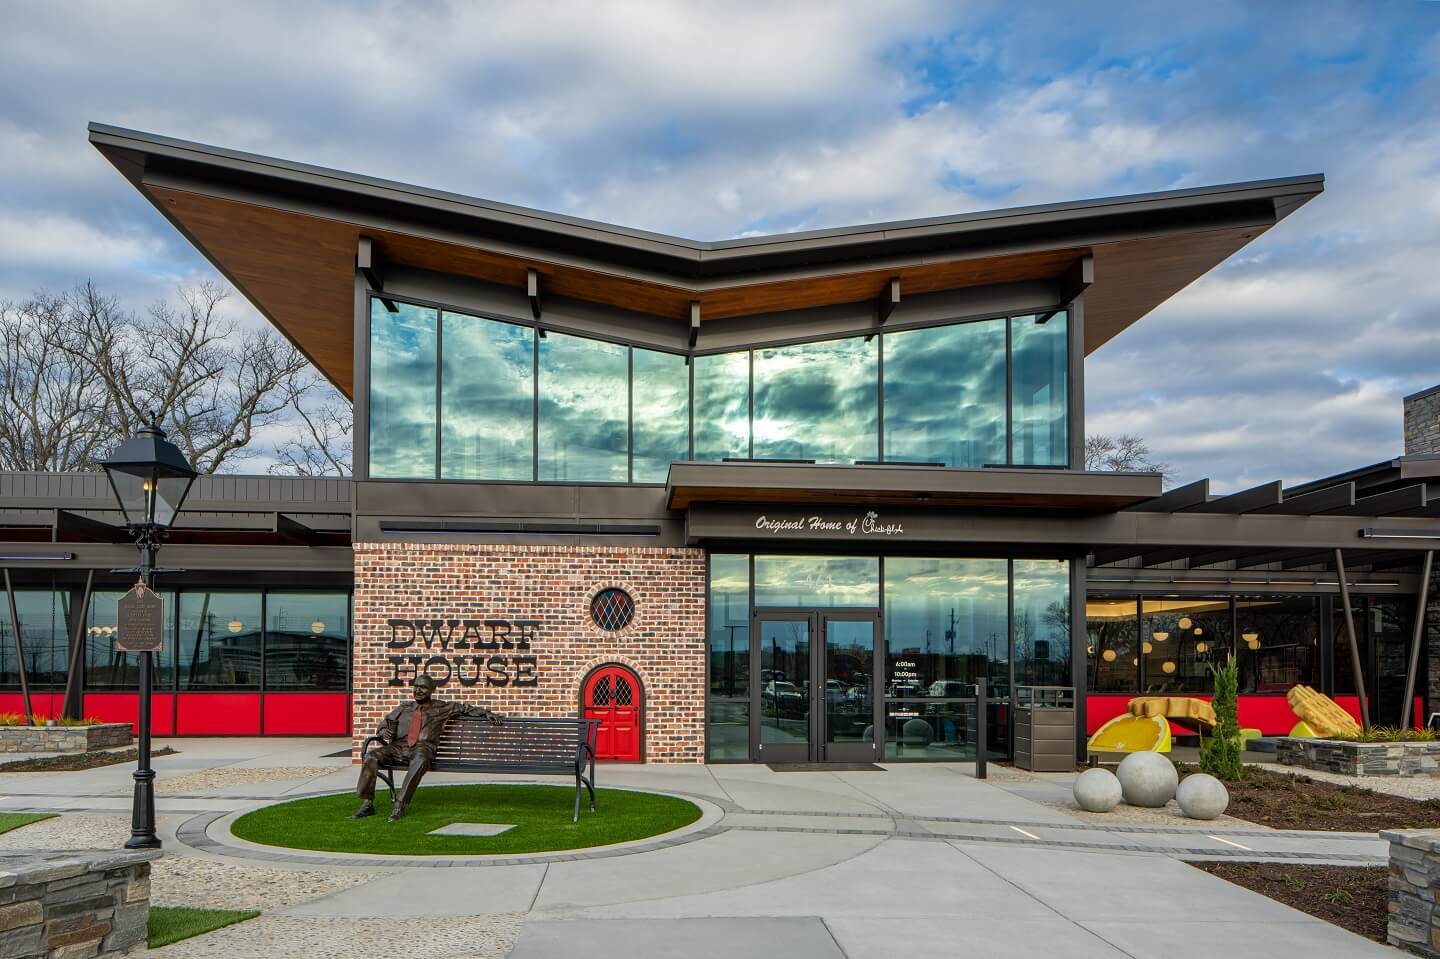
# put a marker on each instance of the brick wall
(551, 587)
(1422, 422)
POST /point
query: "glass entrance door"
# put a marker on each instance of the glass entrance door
(784, 712)
(815, 701)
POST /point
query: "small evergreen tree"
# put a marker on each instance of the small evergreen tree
(1221, 754)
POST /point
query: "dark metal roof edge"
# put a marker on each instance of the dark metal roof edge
(104, 136)
(1422, 393)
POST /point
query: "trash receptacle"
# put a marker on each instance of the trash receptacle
(1045, 728)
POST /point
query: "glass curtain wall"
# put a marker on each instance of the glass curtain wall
(1167, 645)
(1039, 391)
(402, 391)
(307, 642)
(306, 638)
(1112, 625)
(722, 406)
(944, 623)
(945, 626)
(487, 400)
(945, 395)
(809, 581)
(219, 641)
(44, 616)
(455, 396)
(728, 705)
(584, 410)
(817, 401)
(660, 413)
(1180, 639)
(1279, 643)
(1042, 622)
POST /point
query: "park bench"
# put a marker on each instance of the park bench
(520, 745)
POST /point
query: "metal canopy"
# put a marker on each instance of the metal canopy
(1407, 487)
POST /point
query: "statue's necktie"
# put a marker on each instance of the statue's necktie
(413, 736)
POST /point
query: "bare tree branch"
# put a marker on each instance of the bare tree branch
(323, 446)
(79, 373)
(1124, 453)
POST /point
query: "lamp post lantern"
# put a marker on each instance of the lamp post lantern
(151, 479)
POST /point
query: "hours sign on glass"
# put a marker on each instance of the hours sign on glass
(140, 621)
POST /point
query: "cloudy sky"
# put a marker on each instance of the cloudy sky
(718, 119)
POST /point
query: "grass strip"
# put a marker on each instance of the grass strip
(539, 817)
(14, 820)
(173, 923)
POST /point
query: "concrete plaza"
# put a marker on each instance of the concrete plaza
(914, 859)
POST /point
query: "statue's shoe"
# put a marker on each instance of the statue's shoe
(367, 808)
(397, 812)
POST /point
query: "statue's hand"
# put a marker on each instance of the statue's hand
(495, 719)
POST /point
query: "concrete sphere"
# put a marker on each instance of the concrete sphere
(917, 732)
(1202, 796)
(1147, 779)
(1097, 790)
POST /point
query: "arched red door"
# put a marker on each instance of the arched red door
(612, 695)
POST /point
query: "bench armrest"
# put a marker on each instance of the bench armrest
(365, 746)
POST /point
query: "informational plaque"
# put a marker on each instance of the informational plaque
(141, 621)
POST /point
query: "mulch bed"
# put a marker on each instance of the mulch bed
(73, 762)
(1290, 802)
(1352, 897)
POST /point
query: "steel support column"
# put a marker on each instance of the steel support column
(1409, 703)
(73, 704)
(1354, 642)
(19, 647)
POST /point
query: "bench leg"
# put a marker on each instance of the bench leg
(575, 816)
(389, 779)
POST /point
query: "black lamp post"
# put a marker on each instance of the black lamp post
(151, 479)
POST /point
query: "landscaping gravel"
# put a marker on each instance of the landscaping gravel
(1409, 787)
(179, 880)
(479, 937)
(227, 776)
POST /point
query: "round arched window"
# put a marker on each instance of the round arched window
(612, 609)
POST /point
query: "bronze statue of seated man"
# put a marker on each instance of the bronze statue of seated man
(409, 733)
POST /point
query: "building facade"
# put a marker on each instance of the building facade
(791, 498)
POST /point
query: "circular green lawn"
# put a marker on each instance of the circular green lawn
(540, 816)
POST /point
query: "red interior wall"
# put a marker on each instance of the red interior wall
(217, 714)
(125, 708)
(1269, 714)
(307, 714)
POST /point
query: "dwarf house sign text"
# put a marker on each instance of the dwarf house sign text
(472, 652)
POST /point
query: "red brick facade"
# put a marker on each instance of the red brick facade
(485, 610)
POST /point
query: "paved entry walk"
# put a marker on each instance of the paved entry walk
(912, 860)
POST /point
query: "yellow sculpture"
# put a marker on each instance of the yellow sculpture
(1320, 713)
(1179, 708)
(1132, 734)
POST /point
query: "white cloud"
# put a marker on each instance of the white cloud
(60, 240)
(710, 119)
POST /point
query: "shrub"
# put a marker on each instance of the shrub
(1221, 754)
(12, 719)
(87, 721)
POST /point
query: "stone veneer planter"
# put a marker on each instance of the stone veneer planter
(1414, 923)
(74, 905)
(64, 739)
(1360, 759)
